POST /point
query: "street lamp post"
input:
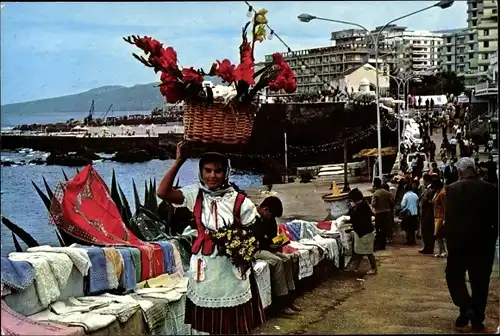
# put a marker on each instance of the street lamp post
(401, 79)
(375, 40)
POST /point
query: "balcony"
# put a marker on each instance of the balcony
(489, 49)
(486, 89)
(492, 37)
(483, 62)
(487, 24)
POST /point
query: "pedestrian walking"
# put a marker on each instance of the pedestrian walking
(382, 205)
(471, 220)
(361, 219)
(438, 203)
(427, 215)
(409, 214)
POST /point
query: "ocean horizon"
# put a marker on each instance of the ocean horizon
(9, 121)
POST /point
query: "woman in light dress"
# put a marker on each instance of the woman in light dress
(364, 233)
(220, 299)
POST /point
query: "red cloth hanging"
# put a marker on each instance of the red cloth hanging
(82, 207)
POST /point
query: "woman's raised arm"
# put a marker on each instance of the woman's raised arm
(165, 190)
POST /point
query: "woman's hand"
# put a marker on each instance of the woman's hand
(179, 154)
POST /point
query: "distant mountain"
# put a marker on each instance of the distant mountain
(143, 97)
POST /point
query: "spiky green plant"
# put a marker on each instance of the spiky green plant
(23, 235)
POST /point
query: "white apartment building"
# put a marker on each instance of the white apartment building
(317, 68)
(453, 55)
(416, 50)
(482, 20)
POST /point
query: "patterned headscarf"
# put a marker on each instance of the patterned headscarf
(225, 163)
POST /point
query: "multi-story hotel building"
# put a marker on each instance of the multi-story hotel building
(316, 68)
(482, 20)
(453, 54)
(416, 50)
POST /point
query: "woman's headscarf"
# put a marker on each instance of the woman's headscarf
(212, 157)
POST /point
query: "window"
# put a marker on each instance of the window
(484, 56)
(448, 49)
(474, 22)
(471, 37)
(448, 58)
(484, 68)
(448, 40)
(494, 11)
(448, 67)
(486, 44)
(471, 56)
(486, 32)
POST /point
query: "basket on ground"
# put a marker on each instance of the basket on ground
(218, 123)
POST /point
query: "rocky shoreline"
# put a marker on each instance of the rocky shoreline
(84, 156)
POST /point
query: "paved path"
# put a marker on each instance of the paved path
(408, 295)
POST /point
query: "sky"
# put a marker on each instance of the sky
(53, 49)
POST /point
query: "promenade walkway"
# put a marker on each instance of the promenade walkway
(408, 295)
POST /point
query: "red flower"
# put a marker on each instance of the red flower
(245, 69)
(290, 86)
(246, 53)
(225, 70)
(167, 58)
(191, 76)
(278, 58)
(286, 78)
(149, 45)
(244, 72)
(172, 89)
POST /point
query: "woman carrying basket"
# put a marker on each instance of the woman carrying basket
(220, 298)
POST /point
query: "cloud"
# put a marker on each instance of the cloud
(61, 48)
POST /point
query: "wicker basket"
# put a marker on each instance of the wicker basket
(217, 123)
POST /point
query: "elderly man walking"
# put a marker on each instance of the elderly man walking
(471, 231)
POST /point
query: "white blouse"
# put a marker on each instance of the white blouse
(219, 283)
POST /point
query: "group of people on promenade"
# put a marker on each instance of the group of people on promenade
(455, 205)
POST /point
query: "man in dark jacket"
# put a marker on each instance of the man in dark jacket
(427, 216)
(492, 170)
(450, 173)
(471, 223)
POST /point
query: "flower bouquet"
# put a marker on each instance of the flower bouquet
(239, 245)
(227, 118)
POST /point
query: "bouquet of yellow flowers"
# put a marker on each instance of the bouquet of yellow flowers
(239, 245)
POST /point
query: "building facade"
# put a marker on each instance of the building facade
(482, 20)
(416, 50)
(452, 53)
(487, 88)
(353, 79)
(317, 68)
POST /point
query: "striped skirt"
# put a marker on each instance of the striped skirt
(238, 320)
